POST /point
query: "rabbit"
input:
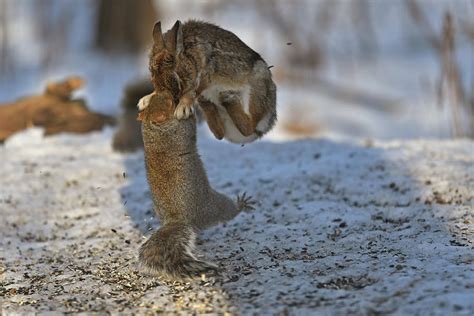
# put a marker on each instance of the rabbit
(183, 198)
(199, 62)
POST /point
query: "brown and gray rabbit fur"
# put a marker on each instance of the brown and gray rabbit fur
(201, 62)
(183, 198)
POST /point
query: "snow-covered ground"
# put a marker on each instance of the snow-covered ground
(340, 228)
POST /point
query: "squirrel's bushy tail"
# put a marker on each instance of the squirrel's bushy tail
(169, 252)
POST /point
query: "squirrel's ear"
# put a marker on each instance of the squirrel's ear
(158, 35)
(141, 116)
(174, 38)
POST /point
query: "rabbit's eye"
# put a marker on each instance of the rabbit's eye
(168, 62)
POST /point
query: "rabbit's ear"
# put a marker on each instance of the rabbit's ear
(158, 35)
(174, 38)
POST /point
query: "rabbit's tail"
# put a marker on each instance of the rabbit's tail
(169, 252)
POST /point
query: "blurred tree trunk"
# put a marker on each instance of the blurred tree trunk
(125, 26)
(4, 53)
(53, 39)
(365, 32)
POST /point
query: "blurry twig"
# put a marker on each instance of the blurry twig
(54, 39)
(450, 82)
(362, 20)
(306, 50)
(421, 20)
(468, 30)
(450, 88)
(325, 14)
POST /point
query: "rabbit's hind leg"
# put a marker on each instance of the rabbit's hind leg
(231, 101)
(213, 119)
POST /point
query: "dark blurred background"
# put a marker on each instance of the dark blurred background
(363, 68)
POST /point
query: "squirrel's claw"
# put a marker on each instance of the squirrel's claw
(246, 203)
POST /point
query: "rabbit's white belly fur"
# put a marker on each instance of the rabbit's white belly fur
(212, 94)
(231, 133)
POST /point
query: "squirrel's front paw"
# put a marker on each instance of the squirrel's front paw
(183, 111)
(144, 102)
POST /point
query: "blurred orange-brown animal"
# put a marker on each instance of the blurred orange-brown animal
(55, 110)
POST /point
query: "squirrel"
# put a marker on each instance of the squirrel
(183, 198)
(55, 110)
(128, 137)
(199, 62)
(63, 89)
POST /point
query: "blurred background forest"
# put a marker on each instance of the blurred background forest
(358, 68)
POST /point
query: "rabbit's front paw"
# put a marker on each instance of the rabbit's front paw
(183, 110)
(144, 102)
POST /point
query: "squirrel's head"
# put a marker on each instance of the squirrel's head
(163, 57)
(160, 109)
(161, 130)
